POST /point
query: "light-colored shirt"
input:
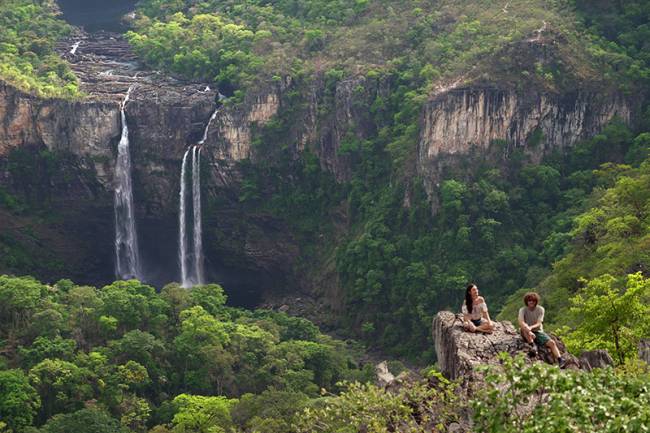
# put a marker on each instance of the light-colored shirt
(477, 310)
(530, 317)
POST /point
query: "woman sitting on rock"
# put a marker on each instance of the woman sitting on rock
(475, 312)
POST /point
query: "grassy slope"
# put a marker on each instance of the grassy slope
(445, 39)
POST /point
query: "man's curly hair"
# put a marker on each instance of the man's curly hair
(531, 295)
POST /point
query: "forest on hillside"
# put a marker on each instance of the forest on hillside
(573, 225)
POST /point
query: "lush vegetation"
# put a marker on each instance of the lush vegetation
(238, 43)
(603, 268)
(419, 406)
(542, 398)
(30, 202)
(620, 34)
(503, 223)
(125, 358)
(610, 316)
(27, 58)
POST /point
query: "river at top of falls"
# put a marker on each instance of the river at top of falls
(127, 255)
(96, 15)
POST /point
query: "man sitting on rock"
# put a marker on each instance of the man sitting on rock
(530, 321)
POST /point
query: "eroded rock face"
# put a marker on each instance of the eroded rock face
(595, 359)
(491, 120)
(87, 128)
(232, 134)
(333, 115)
(165, 116)
(459, 352)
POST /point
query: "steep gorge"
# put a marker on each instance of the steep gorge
(250, 254)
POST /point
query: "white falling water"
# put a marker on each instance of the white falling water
(74, 48)
(191, 265)
(127, 256)
(196, 205)
(207, 128)
(182, 235)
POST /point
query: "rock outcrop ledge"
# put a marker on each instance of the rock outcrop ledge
(459, 351)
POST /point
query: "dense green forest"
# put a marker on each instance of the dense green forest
(27, 59)
(574, 226)
(427, 43)
(124, 358)
(502, 225)
(124, 355)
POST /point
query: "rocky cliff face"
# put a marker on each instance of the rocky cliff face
(459, 352)
(87, 128)
(165, 116)
(492, 122)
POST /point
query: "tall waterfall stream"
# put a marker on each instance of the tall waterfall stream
(127, 255)
(191, 264)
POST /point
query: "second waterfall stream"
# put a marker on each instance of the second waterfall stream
(191, 259)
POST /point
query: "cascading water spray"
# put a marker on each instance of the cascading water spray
(196, 206)
(191, 265)
(182, 236)
(127, 255)
(73, 50)
(207, 128)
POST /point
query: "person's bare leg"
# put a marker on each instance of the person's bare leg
(529, 337)
(485, 327)
(554, 350)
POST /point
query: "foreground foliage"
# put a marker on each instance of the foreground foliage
(609, 302)
(125, 358)
(415, 407)
(611, 314)
(543, 398)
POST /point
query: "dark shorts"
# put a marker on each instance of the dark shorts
(541, 338)
(476, 322)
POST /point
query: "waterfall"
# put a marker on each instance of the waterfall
(196, 205)
(127, 256)
(207, 128)
(74, 48)
(191, 265)
(182, 236)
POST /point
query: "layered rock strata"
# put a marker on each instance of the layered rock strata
(492, 121)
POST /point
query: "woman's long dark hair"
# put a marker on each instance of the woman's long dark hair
(468, 297)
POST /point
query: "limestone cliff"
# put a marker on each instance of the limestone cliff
(80, 127)
(491, 122)
(166, 115)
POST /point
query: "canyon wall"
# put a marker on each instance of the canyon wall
(492, 122)
(485, 122)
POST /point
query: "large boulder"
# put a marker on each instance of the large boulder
(459, 352)
(595, 359)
